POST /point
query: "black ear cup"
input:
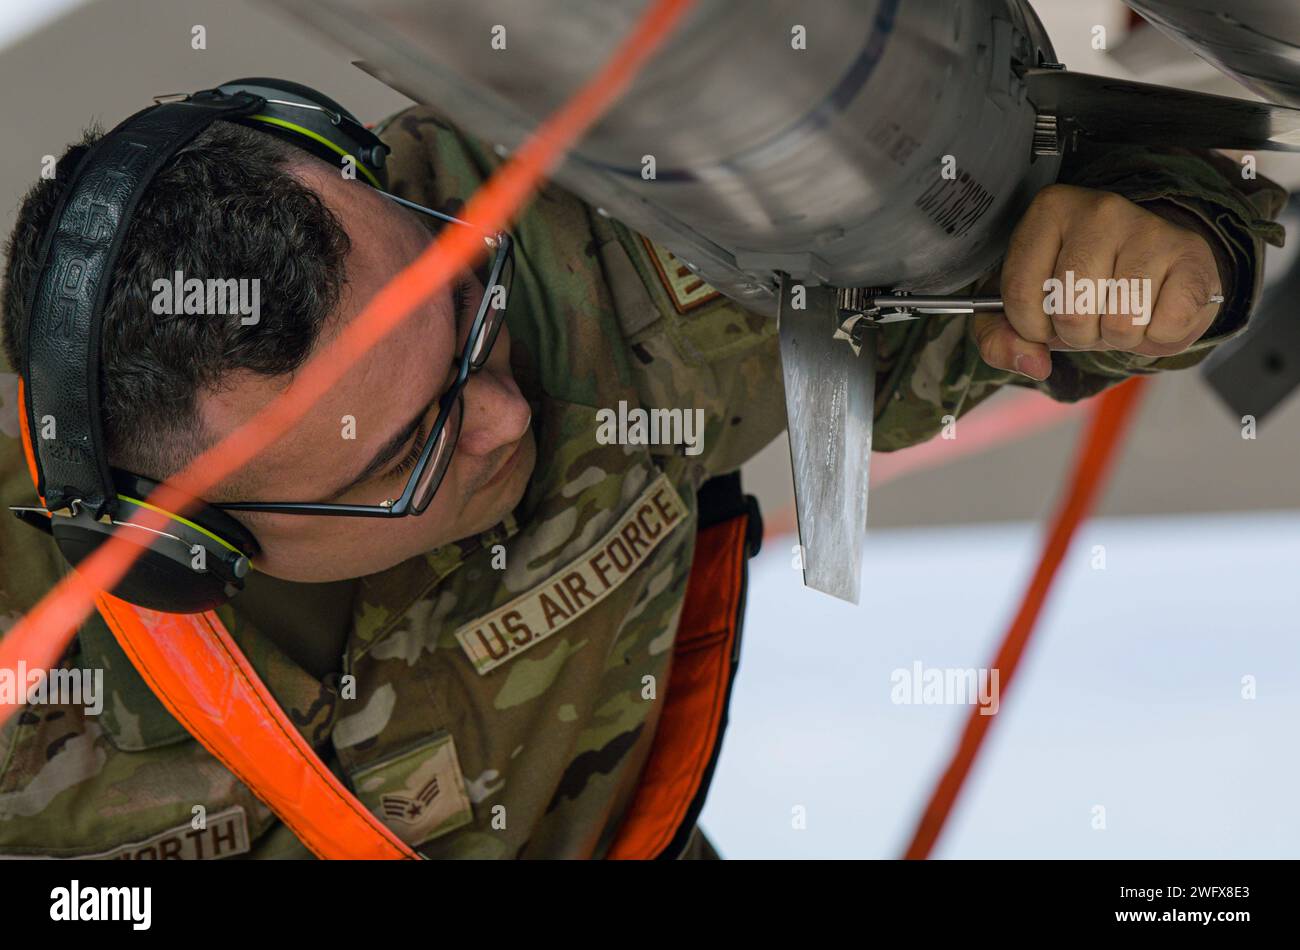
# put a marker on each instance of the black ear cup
(163, 577)
(210, 519)
(190, 565)
(321, 116)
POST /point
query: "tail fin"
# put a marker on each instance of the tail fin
(1116, 110)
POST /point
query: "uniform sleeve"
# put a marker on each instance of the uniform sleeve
(931, 368)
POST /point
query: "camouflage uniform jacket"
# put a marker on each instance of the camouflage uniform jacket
(534, 753)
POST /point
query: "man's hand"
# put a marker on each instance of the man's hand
(1079, 236)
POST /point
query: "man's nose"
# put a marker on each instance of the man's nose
(496, 414)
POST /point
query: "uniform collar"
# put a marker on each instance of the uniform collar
(383, 599)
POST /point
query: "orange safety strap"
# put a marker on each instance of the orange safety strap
(196, 669)
(691, 721)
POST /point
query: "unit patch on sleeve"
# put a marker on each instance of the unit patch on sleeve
(533, 616)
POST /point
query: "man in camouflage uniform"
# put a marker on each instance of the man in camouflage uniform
(535, 753)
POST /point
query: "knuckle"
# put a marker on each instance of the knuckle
(1053, 194)
(1192, 246)
(1153, 234)
(1109, 206)
(1021, 292)
(1200, 279)
(987, 340)
(1145, 262)
(989, 351)
(1197, 290)
(1073, 321)
(1119, 330)
(1052, 201)
(1075, 258)
(1079, 330)
(1185, 313)
(1175, 321)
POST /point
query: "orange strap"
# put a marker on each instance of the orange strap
(691, 720)
(195, 668)
(1112, 413)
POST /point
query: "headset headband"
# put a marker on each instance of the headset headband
(313, 122)
(75, 267)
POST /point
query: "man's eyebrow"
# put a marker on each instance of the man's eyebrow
(386, 453)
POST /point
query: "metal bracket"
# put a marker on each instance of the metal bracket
(829, 399)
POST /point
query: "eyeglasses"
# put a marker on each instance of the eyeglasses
(435, 457)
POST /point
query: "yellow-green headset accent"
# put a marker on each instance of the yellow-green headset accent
(197, 562)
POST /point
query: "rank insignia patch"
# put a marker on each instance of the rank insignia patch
(419, 794)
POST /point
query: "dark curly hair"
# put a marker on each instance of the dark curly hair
(225, 206)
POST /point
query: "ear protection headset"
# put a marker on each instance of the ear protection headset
(197, 562)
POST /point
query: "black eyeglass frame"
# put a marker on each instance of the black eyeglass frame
(502, 245)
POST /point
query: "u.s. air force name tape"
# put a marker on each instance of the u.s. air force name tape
(584, 582)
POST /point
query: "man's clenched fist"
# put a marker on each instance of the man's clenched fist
(1089, 270)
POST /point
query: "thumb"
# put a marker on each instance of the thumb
(1003, 348)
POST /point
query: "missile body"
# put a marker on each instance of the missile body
(849, 142)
